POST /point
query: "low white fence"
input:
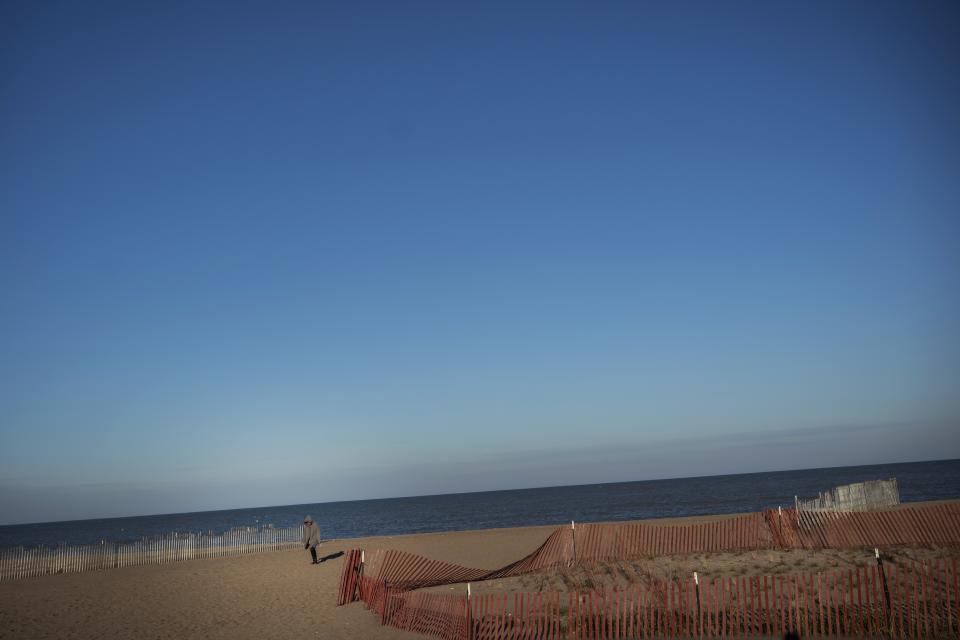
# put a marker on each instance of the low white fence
(21, 562)
(861, 496)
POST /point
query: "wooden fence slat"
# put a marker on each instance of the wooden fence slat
(950, 588)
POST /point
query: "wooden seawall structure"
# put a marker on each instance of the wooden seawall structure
(21, 562)
(860, 496)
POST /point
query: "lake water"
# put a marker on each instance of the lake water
(521, 507)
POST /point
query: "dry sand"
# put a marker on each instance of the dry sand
(277, 594)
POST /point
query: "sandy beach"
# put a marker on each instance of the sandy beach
(267, 595)
(280, 594)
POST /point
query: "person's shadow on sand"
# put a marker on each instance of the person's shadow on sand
(330, 557)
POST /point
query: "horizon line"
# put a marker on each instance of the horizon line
(459, 493)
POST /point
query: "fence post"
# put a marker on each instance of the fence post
(699, 620)
(357, 592)
(886, 593)
(780, 525)
(573, 532)
(469, 634)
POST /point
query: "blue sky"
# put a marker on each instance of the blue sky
(264, 253)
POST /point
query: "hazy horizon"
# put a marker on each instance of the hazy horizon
(588, 463)
(427, 495)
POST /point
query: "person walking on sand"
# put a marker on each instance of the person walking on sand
(311, 537)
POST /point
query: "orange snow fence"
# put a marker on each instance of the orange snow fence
(905, 600)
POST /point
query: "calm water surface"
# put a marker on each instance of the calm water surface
(553, 505)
